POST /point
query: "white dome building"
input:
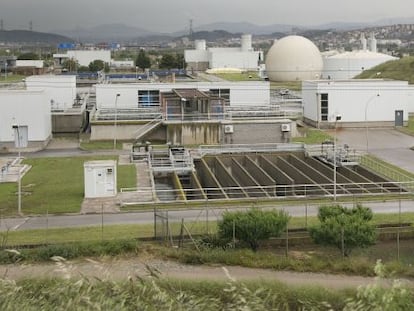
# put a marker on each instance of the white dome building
(294, 58)
(347, 65)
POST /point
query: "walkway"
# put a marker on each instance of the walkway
(387, 144)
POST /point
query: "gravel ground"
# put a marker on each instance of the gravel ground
(121, 269)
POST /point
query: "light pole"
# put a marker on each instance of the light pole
(116, 118)
(19, 179)
(366, 118)
(337, 118)
(136, 72)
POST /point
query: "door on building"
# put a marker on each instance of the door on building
(399, 118)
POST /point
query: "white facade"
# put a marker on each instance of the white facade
(122, 64)
(243, 57)
(25, 109)
(100, 178)
(357, 102)
(30, 63)
(60, 91)
(85, 57)
(249, 93)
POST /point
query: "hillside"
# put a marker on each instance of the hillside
(26, 36)
(401, 69)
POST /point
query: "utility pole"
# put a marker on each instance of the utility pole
(1, 25)
(31, 26)
(190, 34)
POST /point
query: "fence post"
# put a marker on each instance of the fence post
(207, 229)
(287, 240)
(102, 223)
(234, 234)
(180, 242)
(399, 227)
(306, 213)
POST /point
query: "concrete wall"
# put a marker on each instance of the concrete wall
(193, 133)
(68, 123)
(253, 132)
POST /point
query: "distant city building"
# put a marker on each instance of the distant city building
(83, 57)
(243, 57)
(119, 64)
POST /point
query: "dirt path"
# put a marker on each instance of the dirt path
(121, 269)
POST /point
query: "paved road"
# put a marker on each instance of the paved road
(147, 217)
(388, 144)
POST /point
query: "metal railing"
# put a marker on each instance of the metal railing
(251, 148)
(283, 192)
(385, 170)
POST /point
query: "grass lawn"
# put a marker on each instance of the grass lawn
(244, 76)
(55, 185)
(11, 78)
(312, 136)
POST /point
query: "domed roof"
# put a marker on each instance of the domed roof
(362, 54)
(293, 58)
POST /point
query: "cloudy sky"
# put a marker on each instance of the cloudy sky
(173, 15)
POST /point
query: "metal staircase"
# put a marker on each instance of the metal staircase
(148, 127)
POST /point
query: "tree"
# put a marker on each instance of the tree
(252, 226)
(345, 228)
(28, 56)
(168, 61)
(98, 65)
(70, 64)
(143, 61)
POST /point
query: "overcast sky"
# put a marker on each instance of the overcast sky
(173, 15)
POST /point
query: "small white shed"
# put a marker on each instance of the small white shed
(100, 178)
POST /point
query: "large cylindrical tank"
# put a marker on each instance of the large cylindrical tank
(246, 42)
(200, 45)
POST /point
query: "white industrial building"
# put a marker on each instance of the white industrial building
(243, 57)
(146, 95)
(29, 63)
(83, 57)
(349, 64)
(357, 103)
(60, 91)
(25, 113)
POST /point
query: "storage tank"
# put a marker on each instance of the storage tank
(293, 58)
(246, 42)
(350, 64)
(200, 45)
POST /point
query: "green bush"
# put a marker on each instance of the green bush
(252, 226)
(344, 228)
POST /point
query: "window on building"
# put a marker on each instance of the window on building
(148, 98)
(223, 93)
(324, 107)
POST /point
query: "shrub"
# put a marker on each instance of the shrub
(252, 226)
(345, 228)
